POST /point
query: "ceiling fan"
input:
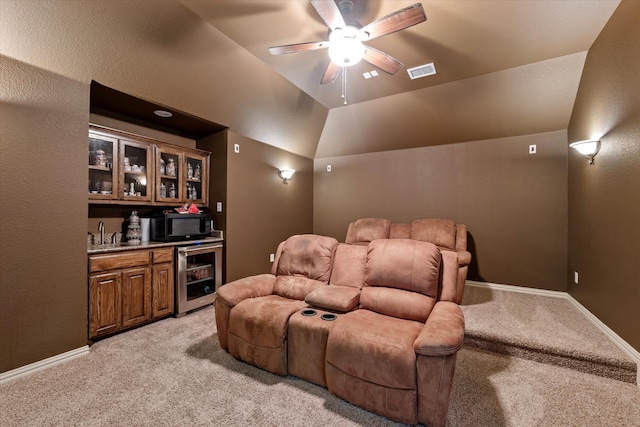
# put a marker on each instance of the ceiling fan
(346, 37)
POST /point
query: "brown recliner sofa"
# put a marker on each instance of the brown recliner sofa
(392, 346)
(449, 237)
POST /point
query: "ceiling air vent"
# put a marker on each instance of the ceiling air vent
(422, 71)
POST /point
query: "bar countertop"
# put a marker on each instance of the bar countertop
(93, 249)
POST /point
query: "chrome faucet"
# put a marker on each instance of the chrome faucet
(101, 230)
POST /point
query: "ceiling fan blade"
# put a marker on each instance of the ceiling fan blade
(381, 60)
(396, 21)
(298, 47)
(329, 12)
(331, 73)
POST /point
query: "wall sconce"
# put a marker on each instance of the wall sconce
(286, 174)
(588, 148)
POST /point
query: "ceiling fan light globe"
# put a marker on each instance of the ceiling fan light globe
(346, 52)
(345, 47)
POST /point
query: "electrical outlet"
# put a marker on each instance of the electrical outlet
(272, 257)
(532, 149)
(575, 277)
(328, 168)
(218, 206)
(236, 148)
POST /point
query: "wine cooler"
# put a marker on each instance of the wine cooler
(198, 276)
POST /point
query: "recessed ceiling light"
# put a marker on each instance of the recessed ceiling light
(163, 113)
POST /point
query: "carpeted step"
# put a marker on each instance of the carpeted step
(544, 329)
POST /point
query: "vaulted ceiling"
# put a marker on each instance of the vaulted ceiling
(504, 67)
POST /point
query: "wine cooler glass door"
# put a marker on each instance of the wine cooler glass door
(199, 275)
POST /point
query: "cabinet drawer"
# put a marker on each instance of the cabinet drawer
(117, 261)
(162, 255)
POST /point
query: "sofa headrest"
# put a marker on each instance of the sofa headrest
(307, 255)
(366, 230)
(403, 264)
(440, 232)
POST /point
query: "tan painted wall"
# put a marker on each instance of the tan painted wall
(513, 203)
(43, 211)
(261, 210)
(604, 198)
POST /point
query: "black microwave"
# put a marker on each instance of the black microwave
(171, 227)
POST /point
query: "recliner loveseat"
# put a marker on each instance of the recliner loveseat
(392, 346)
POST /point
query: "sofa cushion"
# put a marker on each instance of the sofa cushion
(258, 331)
(400, 231)
(375, 348)
(440, 232)
(307, 255)
(295, 287)
(348, 266)
(366, 230)
(403, 264)
(335, 298)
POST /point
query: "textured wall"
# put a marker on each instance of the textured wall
(261, 210)
(513, 203)
(43, 176)
(604, 198)
(160, 51)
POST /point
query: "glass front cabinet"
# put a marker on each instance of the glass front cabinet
(136, 179)
(196, 189)
(169, 170)
(103, 166)
(124, 169)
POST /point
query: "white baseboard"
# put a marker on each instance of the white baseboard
(43, 364)
(615, 338)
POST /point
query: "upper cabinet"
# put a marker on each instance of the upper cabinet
(124, 169)
(169, 170)
(196, 169)
(135, 179)
(103, 166)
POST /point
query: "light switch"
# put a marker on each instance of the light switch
(532, 149)
(328, 168)
(236, 148)
(272, 257)
(218, 206)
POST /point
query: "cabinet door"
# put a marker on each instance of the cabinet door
(103, 161)
(162, 289)
(136, 171)
(196, 170)
(169, 173)
(104, 304)
(136, 296)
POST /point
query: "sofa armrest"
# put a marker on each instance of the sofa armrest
(334, 297)
(464, 258)
(248, 287)
(443, 332)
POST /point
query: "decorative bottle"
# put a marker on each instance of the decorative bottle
(172, 191)
(133, 230)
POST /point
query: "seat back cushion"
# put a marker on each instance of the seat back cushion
(307, 255)
(401, 278)
(400, 231)
(348, 266)
(440, 232)
(366, 230)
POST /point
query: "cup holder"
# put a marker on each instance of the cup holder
(309, 312)
(328, 316)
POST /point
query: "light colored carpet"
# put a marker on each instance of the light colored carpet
(173, 372)
(541, 328)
